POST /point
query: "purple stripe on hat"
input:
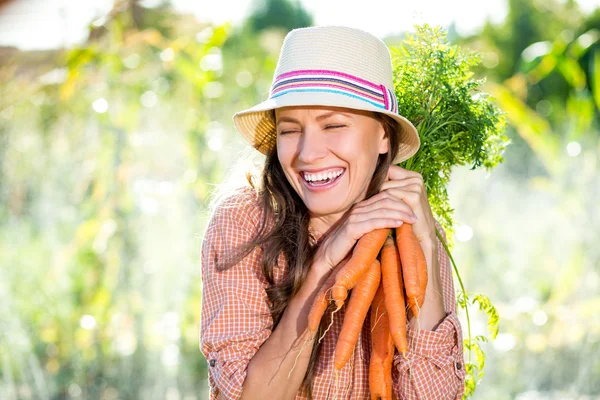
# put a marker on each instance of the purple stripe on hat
(393, 101)
(347, 80)
(326, 79)
(327, 85)
(327, 72)
(329, 80)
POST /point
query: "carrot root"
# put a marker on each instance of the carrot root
(330, 324)
(321, 301)
(306, 341)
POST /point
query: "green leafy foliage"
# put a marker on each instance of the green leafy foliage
(488, 308)
(457, 123)
(474, 371)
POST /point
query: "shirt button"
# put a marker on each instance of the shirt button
(458, 365)
(212, 362)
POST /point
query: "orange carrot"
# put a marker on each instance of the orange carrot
(364, 253)
(319, 305)
(358, 307)
(321, 302)
(393, 288)
(382, 349)
(408, 246)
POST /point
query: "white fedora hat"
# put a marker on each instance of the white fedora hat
(329, 66)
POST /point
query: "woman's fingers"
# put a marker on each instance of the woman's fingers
(388, 201)
(381, 199)
(405, 214)
(401, 183)
(396, 173)
(410, 195)
(413, 184)
(357, 229)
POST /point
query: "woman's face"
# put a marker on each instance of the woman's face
(329, 154)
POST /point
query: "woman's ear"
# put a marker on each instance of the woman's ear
(384, 140)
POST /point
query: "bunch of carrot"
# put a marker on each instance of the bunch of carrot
(378, 284)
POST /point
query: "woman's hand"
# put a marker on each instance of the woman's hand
(407, 186)
(401, 197)
(383, 210)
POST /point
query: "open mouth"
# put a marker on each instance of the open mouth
(319, 180)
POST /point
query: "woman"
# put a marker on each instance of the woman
(331, 133)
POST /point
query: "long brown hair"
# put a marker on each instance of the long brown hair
(284, 229)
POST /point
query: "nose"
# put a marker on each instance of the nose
(312, 146)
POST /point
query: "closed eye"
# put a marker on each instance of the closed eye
(327, 127)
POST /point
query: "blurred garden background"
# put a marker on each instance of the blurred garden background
(111, 144)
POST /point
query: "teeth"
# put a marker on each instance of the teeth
(322, 176)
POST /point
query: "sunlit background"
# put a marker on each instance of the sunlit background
(116, 123)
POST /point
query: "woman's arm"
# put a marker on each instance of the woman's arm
(246, 358)
(435, 365)
(267, 375)
(432, 312)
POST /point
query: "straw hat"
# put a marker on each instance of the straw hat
(329, 66)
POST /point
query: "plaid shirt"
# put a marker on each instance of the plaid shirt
(235, 322)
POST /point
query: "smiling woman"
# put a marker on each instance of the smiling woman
(331, 133)
(329, 157)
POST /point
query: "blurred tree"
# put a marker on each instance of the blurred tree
(541, 52)
(527, 22)
(121, 144)
(284, 14)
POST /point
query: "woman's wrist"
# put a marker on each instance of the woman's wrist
(317, 274)
(427, 244)
(320, 267)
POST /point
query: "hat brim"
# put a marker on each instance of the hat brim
(258, 128)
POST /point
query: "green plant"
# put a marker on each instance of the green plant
(458, 124)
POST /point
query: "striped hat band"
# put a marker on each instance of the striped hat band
(320, 80)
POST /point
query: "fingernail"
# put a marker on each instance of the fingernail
(413, 217)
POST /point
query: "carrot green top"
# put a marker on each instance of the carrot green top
(235, 321)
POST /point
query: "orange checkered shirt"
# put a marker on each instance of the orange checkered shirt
(235, 321)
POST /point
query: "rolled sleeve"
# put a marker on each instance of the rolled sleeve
(434, 367)
(235, 317)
